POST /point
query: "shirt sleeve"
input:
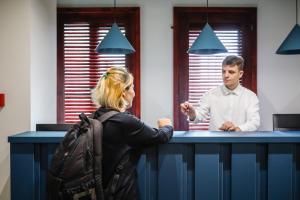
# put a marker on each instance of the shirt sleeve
(253, 118)
(202, 111)
(139, 134)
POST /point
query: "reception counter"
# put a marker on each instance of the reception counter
(194, 165)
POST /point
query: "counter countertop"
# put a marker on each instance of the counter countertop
(179, 137)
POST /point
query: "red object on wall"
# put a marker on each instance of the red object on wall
(2, 100)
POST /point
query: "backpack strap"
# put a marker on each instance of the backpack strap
(97, 144)
(97, 137)
(106, 116)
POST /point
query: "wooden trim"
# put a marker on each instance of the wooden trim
(180, 75)
(60, 73)
(185, 18)
(133, 60)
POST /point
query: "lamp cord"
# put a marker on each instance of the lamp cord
(115, 11)
(296, 11)
(206, 11)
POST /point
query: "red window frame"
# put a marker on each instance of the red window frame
(129, 17)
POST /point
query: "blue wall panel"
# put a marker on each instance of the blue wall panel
(281, 172)
(244, 171)
(175, 172)
(261, 172)
(47, 151)
(22, 171)
(297, 173)
(147, 174)
(208, 171)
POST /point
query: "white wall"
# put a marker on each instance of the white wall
(14, 78)
(43, 62)
(278, 75)
(28, 62)
(27, 71)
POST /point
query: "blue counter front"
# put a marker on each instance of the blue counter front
(194, 165)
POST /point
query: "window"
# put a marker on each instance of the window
(79, 66)
(196, 74)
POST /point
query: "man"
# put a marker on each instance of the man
(231, 106)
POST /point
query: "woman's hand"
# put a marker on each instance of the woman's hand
(164, 122)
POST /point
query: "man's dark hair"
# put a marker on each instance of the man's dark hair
(234, 60)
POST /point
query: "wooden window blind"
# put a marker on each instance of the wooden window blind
(80, 67)
(194, 74)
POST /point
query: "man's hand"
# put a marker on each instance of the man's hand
(229, 126)
(188, 109)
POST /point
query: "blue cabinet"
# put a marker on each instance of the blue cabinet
(194, 165)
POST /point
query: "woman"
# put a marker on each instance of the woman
(124, 135)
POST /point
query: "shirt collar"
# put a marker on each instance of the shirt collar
(236, 91)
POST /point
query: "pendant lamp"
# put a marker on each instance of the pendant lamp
(114, 42)
(291, 44)
(207, 42)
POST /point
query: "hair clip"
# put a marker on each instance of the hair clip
(105, 75)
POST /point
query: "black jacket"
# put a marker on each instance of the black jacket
(126, 135)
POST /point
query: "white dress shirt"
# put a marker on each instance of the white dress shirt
(239, 106)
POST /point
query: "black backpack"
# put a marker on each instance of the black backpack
(75, 171)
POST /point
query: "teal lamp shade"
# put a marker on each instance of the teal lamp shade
(114, 43)
(207, 43)
(291, 44)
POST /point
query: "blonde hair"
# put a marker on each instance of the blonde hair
(110, 87)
